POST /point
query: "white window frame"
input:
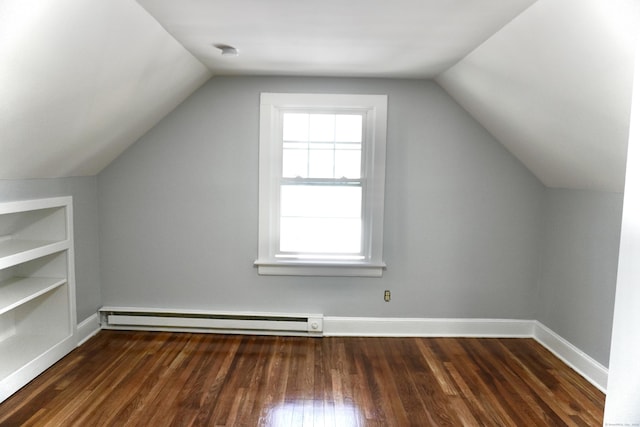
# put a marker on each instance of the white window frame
(374, 109)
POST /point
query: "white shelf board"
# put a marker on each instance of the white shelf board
(35, 204)
(15, 251)
(20, 349)
(19, 290)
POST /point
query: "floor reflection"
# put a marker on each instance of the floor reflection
(313, 413)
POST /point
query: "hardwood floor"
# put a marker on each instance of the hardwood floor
(176, 379)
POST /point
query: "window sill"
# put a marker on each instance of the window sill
(327, 269)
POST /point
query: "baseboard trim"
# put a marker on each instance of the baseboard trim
(571, 355)
(419, 327)
(575, 358)
(88, 328)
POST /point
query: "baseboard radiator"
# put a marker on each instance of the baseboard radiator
(211, 322)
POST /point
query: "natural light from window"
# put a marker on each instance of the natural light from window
(321, 186)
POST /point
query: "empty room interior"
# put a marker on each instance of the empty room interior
(429, 206)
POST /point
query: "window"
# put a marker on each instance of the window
(322, 164)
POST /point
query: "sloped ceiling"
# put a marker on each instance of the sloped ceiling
(554, 86)
(80, 80)
(550, 79)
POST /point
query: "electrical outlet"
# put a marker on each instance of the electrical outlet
(387, 295)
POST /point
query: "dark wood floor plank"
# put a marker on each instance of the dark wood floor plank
(256, 385)
(417, 386)
(215, 378)
(545, 384)
(521, 399)
(536, 407)
(482, 384)
(467, 397)
(173, 379)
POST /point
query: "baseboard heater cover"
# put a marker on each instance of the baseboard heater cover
(220, 322)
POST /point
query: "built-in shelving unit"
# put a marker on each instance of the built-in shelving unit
(37, 289)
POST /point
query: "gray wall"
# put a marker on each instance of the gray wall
(469, 232)
(579, 260)
(178, 212)
(85, 230)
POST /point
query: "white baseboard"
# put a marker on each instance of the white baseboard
(575, 358)
(579, 361)
(419, 327)
(88, 328)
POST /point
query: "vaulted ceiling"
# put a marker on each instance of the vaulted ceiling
(81, 80)
(554, 86)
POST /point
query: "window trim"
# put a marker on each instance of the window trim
(374, 153)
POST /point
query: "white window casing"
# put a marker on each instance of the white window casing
(368, 261)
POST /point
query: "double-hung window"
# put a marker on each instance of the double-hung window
(322, 165)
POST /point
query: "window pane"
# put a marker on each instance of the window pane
(321, 163)
(320, 201)
(320, 235)
(294, 163)
(347, 161)
(348, 128)
(295, 127)
(322, 127)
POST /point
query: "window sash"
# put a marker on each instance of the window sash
(347, 219)
(311, 145)
(368, 262)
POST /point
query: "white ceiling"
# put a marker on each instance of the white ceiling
(81, 80)
(363, 38)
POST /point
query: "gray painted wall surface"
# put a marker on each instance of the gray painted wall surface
(85, 230)
(178, 212)
(579, 260)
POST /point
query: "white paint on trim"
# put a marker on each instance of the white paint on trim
(571, 355)
(575, 358)
(88, 328)
(420, 327)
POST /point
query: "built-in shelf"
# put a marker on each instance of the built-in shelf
(17, 348)
(20, 290)
(16, 251)
(37, 289)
